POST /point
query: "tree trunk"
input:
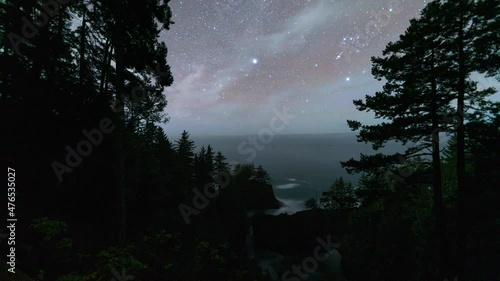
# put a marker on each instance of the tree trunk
(105, 66)
(106, 77)
(461, 186)
(119, 148)
(82, 50)
(439, 211)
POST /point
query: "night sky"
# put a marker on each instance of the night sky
(235, 61)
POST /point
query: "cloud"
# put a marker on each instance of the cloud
(200, 92)
(294, 33)
(200, 89)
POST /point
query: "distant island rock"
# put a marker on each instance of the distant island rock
(259, 196)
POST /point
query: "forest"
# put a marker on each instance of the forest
(100, 192)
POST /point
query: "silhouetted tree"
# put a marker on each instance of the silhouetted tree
(312, 203)
(416, 102)
(262, 176)
(340, 196)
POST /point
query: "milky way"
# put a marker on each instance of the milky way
(234, 61)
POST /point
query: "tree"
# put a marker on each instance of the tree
(220, 164)
(246, 173)
(243, 173)
(482, 155)
(84, 64)
(221, 168)
(204, 166)
(262, 176)
(134, 31)
(486, 40)
(184, 148)
(209, 157)
(340, 196)
(413, 100)
(470, 39)
(422, 80)
(312, 203)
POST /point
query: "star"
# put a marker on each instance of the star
(253, 56)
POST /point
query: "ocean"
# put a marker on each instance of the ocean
(301, 166)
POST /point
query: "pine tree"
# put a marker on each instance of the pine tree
(134, 30)
(220, 164)
(244, 173)
(413, 101)
(262, 176)
(311, 203)
(340, 196)
(209, 158)
(221, 170)
(184, 148)
(470, 32)
(423, 79)
(203, 166)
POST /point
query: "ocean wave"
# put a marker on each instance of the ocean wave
(287, 186)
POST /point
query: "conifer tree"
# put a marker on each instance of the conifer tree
(340, 196)
(262, 176)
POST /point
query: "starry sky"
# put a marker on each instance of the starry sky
(235, 62)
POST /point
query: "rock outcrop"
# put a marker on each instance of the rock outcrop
(259, 196)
